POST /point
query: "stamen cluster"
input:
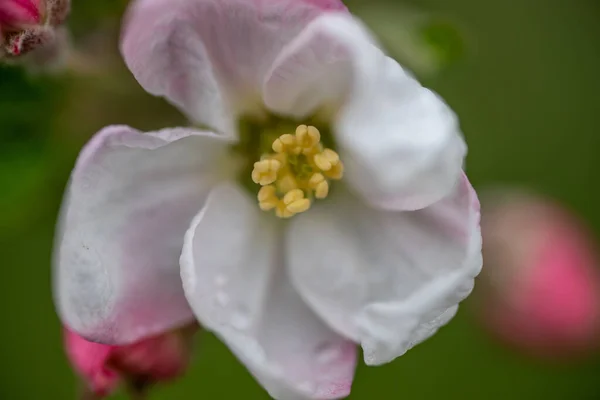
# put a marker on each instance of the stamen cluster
(297, 172)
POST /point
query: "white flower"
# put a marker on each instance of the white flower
(377, 243)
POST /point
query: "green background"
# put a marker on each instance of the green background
(523, 77)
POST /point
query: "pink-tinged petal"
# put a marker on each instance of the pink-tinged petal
(129, 202)
(236, 283)
(209, 57)
(386, 279)
(312, 73)
(400, 142)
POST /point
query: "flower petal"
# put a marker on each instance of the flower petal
(130, 200)
(209, 57)
(238, 288)
(91, 362)
(400, 142)
(388, 280)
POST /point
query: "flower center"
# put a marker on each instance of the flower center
(297, 171)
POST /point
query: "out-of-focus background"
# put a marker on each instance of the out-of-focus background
(521, 74)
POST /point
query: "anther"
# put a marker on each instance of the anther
(299, 206)
(265, 171)
(267, 198)
(284, 143)
(292, 196)
(326, 160)
(307, 136)
(336, 172)
(266, 192)
(295, 202)
(282, 212)
(268, 205)
(318, 183)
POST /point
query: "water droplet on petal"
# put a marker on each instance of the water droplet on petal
(221, 280)
(308, 387)
(222, 299)
(241, 318)
(328, 353)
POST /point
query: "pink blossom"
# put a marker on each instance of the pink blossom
(543, 287)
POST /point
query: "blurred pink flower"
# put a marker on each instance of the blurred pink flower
(164, 222)
(541, 287)
(152, 360)
(27, 25)
(20, 14)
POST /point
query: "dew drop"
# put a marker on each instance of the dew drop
(241, 318)
(221, 280)
(328, 353)
(308, 387)
(222, 299)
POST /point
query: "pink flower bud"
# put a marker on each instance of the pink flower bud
(540, 289)
(157, 359)
(20, 14)
(26, 25)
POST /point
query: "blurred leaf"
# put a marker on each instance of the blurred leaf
(444, 39)
(27, 104)
(21, 175)
(88, 15)
(28, 107)
(423, 42)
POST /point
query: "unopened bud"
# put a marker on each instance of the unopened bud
(157, 359)
(29, 25)
(27, 40)
(539, 290)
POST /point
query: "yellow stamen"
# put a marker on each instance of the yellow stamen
(266, 192)
(267, 198)
(327, 159)
(295, 202)
(265, 171)
(282, 212)
(318, 183)
(307, 136)
(292, 196)
(336, 172)
(285, 143)
(298, 171)
(286, 183)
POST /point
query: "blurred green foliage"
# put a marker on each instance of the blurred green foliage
(522, 75)
(92, 14)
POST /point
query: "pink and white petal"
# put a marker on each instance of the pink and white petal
(310, 74)
(129, 202)
(388, 280)
(400, 142)
(210, 57)
(236, 283)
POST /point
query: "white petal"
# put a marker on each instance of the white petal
(400, 142)
(129, 202)
(210, 57)
(237, 285)
(311, 73)
(386, 279)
